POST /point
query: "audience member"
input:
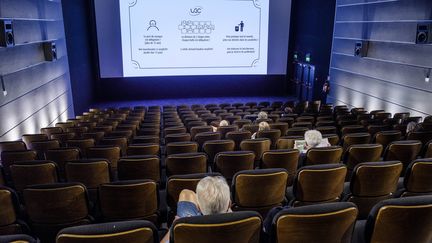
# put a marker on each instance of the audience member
(411, 127)
(212, 197)
(262, 117)
(263, 126)
(222, 123)
(314, 139)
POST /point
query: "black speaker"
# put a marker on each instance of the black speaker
(424, 35)
(50, 50)
(361, 48)
(7, 38)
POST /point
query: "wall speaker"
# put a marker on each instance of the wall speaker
(424, 34)
(7, 38)
(361, 48)
(50, 51)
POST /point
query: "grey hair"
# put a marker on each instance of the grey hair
(262, 115)
(263, 126)
(313, 138)
(223, 123)
(213, 195)
(411, 127)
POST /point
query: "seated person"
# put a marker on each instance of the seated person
(314, 139)
(411, 127)
(212, 197)
(222, 123)
(262, 116)
(263, 126)
(287, 110)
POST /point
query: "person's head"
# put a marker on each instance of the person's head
(213, 195)
(223, 123)
(288, 110)
(152, 23)
(411, 126)
(263, 126)
(313, 138)
(262, 115)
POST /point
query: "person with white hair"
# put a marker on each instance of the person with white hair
(262, 126)
(212, 197)
(262, 116)
(314, 139)
(222, 123)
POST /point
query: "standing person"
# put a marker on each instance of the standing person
(325, 91)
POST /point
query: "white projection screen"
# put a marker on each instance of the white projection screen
(147, 38)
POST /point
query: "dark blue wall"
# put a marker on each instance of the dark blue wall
(78, 29)
(312, 32)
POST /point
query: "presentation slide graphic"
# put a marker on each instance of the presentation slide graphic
(194, 37)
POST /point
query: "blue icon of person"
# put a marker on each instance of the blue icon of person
(241, 26)
(152, 24)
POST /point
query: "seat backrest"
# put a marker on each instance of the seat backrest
(405, 151)
(56, 203)
(91, 173)
(418, 178)
(386, 137)
(143, 149)
(282, 126)
(18, 238)
(226, 129)
(258, 146)
(8, 158)
(355, 138)
(9, 208)
(139, 168)
(42, 146)
(352, 129)
(240, 227)
(128, 231)
(238, 137)
(387, 221)
(175, 130)
(328, 222)
(145, 139)
(29, 138)
(373, 182)
(323, 155)
(82, 144)
(181, 148)
(122, 200)
(319, 183)
(252, 128)
(203, 137)
(211, 148)
(12, 146)
(28, 173)
(286, 159)
(229, 163)
(249, 186)
(199, 129)
(60, 156)
(121, 142)
(297, 131)
(178, 137)
(272, 134)
(287, 142)
(423, 136)
(187, 163)
(112, 154)
(359, 153)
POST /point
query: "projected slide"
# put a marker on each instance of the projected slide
(194, 37)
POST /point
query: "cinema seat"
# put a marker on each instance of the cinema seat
(323, 155)
(404, 151)
(51, 130)
(241, 123)
(9, 213)
(286, 159)
(317, 184)
(359, 153)
(8, 158)
(418, 178)
(148, 132)
(428, 150)
(333, 139)
(297, 131)
(226, 129)
(42, 146)
(82, 144)
(143, 149)
(145, 139)
(18, 238)
(36, 172)
(199, 129)
(258, 146)
(29, 138)
(423, 136)
(203, 137)
(176, 184)
(211, 148)
(398, 221)
(127, 231)
(352, 129)
(239, 227)
(71, 208)
(355, 138)
(386, 137)
(127, 200)
(371, 183)
(327, 222)
(252, 128)
(139, 168)
(238, 137)
(60, 156)
(327, 130)
(181, 147)
(174, 130)
(229, 163)
(287, 142)
(112, 154)
(249, 186)
(12, 146)
(186, 163)
(272, 134)
(91, 173)
(78, 131)
(65, 125)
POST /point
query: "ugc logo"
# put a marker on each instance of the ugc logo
(196, 11)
